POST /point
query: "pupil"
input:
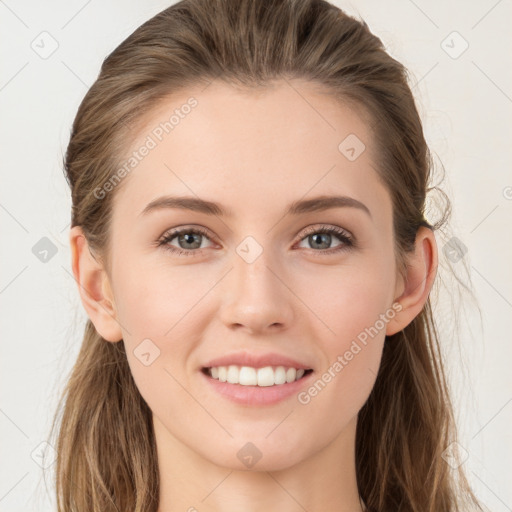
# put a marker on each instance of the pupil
(320, 241)
(189, 239)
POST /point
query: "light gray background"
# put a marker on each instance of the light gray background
(465, 103)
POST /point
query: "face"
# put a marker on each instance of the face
(265, 282)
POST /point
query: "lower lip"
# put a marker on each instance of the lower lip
(257, 395)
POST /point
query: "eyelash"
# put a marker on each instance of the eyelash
(347, 241)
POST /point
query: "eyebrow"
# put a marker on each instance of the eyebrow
(299, 207)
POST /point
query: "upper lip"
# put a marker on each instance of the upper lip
(256, 360)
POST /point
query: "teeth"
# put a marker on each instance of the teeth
(248, 376)
(280, 375)
(291, 374)
(233, 375)
(266, 376)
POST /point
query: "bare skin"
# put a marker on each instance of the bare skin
(254, 154)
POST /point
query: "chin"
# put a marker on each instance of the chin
(257, 454)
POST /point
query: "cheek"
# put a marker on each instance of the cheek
(352, 359)
(158, 300)
(155, 307)
(352, 309)
(348, 300)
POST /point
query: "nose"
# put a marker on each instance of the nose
(256, 296)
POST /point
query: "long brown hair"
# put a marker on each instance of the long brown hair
(106, 446)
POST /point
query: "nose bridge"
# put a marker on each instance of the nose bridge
(252, 269)
(255, 296)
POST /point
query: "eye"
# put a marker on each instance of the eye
(321, 238)
(189, 240)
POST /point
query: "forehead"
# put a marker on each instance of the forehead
(273, 144)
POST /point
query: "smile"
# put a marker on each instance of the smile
(250, 376)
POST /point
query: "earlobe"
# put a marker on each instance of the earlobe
(418, 281)
(94, 287)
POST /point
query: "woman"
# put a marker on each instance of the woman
(249, 242)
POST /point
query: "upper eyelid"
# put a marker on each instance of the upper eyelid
(314, 228)
(173, 232)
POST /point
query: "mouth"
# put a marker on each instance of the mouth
(267, 376)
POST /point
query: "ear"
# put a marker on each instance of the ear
(94, 287)
(415, 286)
